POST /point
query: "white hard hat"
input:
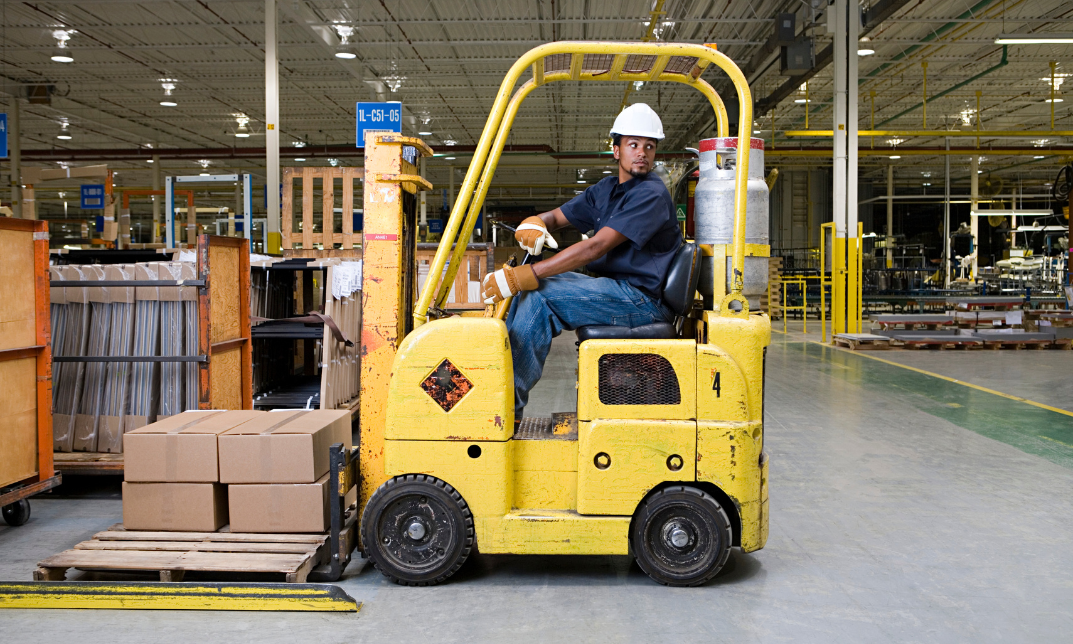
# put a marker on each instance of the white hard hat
(638, 120)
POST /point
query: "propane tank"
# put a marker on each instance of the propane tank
(713, 208)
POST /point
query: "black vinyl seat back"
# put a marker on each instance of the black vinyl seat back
(679, 289)
(680, 286)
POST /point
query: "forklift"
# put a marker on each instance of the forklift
(663, 459)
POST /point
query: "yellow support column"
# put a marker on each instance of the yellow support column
(838, 286)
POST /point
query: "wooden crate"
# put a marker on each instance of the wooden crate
(477, 262)
(325, 239)
(173, 554)
(25, 355)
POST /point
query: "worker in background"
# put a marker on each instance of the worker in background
(633, 237)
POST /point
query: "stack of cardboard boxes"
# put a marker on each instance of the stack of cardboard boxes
(259, 471)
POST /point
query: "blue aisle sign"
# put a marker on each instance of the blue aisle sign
(378, 117)
(3, 136)
(435, 226)
(93, 196)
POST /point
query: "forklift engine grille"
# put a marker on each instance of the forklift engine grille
(637, 379)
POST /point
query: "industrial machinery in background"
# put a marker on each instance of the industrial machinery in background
(664, 458)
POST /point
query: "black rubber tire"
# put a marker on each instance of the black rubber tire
(16, 513)
(442, 514)
(705, 525)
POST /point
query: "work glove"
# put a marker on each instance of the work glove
(533, 234)
(508, 281)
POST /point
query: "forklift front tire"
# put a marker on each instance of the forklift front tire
(417, 530)
(681, 536)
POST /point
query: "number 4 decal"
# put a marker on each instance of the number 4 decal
(716, 387)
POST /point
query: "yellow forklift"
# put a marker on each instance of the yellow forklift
(664, 457)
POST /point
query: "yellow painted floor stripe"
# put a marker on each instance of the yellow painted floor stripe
(865, 354)
(177, 596)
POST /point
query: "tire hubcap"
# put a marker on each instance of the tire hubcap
(416, 530)
(677, 535)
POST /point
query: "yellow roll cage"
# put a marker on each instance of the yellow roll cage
(592, 61)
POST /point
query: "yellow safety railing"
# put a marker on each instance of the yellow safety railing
(591, 61)
(802, 283)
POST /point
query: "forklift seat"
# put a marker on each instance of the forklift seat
(678, 293)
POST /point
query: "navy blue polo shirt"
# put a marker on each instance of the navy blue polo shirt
(642, 211)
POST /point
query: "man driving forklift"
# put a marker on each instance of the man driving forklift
(633, 240)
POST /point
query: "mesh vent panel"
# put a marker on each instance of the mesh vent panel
(637, 379)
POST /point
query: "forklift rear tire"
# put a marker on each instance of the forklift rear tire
(681, 536)
(17, 513)
(417, 530)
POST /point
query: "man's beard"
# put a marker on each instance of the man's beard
(637, 174)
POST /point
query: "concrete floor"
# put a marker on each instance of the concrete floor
(903, 508)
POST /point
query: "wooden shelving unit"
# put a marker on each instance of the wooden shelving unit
(224, 339)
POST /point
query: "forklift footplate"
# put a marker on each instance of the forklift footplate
(561, 426)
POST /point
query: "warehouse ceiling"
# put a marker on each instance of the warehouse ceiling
(445, 60)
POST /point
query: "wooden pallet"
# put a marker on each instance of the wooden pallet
(862, 341)
(173, 554)
(773, 304)
(940, 344)
(1017, 345)
(88, 463)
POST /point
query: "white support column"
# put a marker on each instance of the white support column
(247, 208)
(169, 213)
(947, 263)
(424, 217)
(853, 264)
(890, 216)
(272, 230)
(974, 222)
(156, 199)
(841, 69)
(14, 142)
(840, 321)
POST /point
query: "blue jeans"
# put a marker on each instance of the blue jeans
(569, 301)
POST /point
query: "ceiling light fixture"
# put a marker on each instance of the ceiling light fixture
(1040, 156)
(169, 86)
(1057, 99)
(62, 55)
(607, 172)
(894, 156)
(242, 132)
(864, 48)
(346, 54)
(333, 162)
(300, 159)
(148, 160)
(64, 134)
(344, 31)
(1034, 39)
(448, 158)
(424, 133)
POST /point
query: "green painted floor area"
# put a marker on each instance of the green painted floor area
(1031, 429)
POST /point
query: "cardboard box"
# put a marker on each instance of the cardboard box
(283, 447)
(181, 448)
(282, 507)
(186, 507)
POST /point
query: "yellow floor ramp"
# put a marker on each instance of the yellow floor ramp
(177, 596)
